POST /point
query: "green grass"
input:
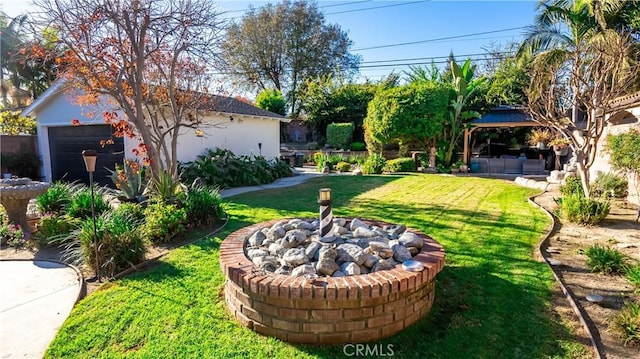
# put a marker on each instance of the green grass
(492, 298)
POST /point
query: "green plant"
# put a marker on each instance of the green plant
(579, 209)
(339, 134)
(23, 164)
(203, 205)
(11, 123)
(605, 260)
(442, 168)
(271, 100)
(626, 323)
(539, 135)
(373, 164)
(166, 188)
(56, 198)
(163, 222)
(80, 205)
(129, 181)
(55, 229)
(358, 146)
(13, 235)
(572, 187)
(559, 143)
(343, 166)
(313, 146)
(319, 158)
(404, 164)
(610, 185)
(633, 275)
(133, 211)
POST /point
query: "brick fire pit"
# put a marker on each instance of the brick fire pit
(328, 310)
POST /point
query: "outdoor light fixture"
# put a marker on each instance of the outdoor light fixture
(326, 216)
(90, 157)
(231, 118)
(199, 132)
(260, 148)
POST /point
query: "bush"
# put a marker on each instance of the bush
(129, 181)
(25, 164)
(572, 186)
(313, 146)
(13, 235)
(610, 185)
(55, 229)
(56, 198)
(131, 210)
(579, 209)
(121, 244)
(404, 164)
(271, 100)
(373, 164)
(203, 205)
(626, 323)
(163, 222)
(343, 166)
(358, 146)
(80, 205)
(318, 158)
(605, 260)
(164, 187)
(339, 134)
(633, 276)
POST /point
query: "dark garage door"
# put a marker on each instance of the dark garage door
(66, 145)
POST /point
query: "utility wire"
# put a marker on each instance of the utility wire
(320, 7)
(440, 57)
(439, 39)
(376, 7)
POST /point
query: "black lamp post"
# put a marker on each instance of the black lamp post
(90, 157)
(260, 147)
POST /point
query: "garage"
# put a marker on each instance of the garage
(67, 143)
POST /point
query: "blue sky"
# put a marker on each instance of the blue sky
(381, 23)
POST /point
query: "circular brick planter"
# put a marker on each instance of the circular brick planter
(328, 310)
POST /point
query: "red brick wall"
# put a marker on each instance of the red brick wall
(328, 310)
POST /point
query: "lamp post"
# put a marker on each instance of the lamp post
(260, 148)
(326, 216)
(90, 157)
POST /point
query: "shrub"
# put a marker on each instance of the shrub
(56, 198)
(626, 323)
(610, 185)
(339, 134)
(271, 100)
(203, 205)
(121, 244)
(55, 229)
(318, 158)
(129, 181)
(343, 166)
(605, 260)
(572, 186)
(373, 164)
(163, 222)
(579, 209)
(80, 205)
(633, 275)
(404, 164)
(13, 235)
(166, 188)
(358, 146)
(130, 210)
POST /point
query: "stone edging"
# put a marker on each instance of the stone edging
(83, 285)
(577, 309)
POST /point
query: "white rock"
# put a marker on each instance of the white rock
(256, 239)
(350, 268)
(302, 270)
(351, 253)
(256, 252)
(355, 223)
(295, 256)
(410, 239)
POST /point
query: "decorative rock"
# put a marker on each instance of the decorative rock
(340, 222)
(327, 252)
(328, 239)
(378, 245)
(339, 230)
(300, 271)
(338, 274)
(553, 250)
(284, 270)
(295, 257)
(594, 298)
(357, 172)
(364, 270)
(256, 239)
(393, 242)
(409, 239)
(276, 232)
(256, 252)
(326, 169)
(312, 249)
(350, 268)
(355, 223)
(400, 253)
(351, 253)
(303, 225)
(293, 238)
(384, 264)
(277, 250)
(364, 242)
(413, 250)
(327, 266)
(364, 232)
(395, 230)
(370, 260)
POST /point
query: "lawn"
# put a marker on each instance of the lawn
(492, 298)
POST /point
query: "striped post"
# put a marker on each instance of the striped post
(326, 216)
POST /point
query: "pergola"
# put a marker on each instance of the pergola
(501, 116)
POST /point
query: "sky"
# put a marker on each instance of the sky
(380, 30)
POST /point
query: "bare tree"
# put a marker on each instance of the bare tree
(151, 59)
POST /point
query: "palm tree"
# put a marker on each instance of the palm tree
(11, 40)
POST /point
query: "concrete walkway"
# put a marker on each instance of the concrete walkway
(36, 298)
(303, 174)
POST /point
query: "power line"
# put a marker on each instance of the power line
(376, 7)
(320, 7)
(439, 57)
(439, 39)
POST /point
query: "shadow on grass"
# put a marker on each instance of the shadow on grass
(475, 315)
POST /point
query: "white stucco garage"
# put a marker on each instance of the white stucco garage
(241, 127)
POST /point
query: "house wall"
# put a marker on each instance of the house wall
(618, 122)
(241, 135)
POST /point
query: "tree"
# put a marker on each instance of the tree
(326, 100)
(272, 100)
(283, 45)
(579, 65)
(149, 59)
(464, 85)
(624, 149)
(410, 114)
(11, 39)
(509, 83)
